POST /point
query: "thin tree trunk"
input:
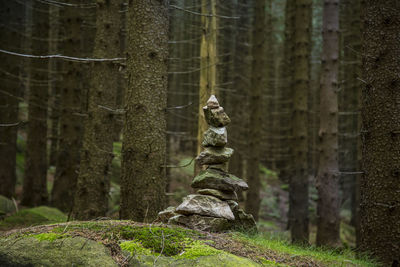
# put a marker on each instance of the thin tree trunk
(257, 82)
(143, 145)
(91, 198)
(71, 115)
(328, 222)
(35, 180)
(10, 14)
(298, 186)
(380, 186)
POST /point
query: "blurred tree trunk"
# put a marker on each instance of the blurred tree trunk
(349, 102)
(10, 15)
(91, 198)
(70, 136)
(380, 187)
(255, 104)
(35, 180)
(328, 174)
(143, 145)
(208, 63)
(298, 186)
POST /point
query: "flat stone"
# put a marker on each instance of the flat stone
(205, 205)
(219, 180)
(214, 155)
(165, 215)
(221, 167)
(223, 195)
(212, 102)
(215, 137)
(202, 223)
(216, 116)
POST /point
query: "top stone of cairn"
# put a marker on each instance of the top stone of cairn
(215, 114)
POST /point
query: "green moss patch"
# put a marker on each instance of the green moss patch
(33, 216)
(49, 236)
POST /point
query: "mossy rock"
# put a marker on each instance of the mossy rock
(50, 251)
(6, 206)
(33, 216)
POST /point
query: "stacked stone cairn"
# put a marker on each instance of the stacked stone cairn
(214, 208)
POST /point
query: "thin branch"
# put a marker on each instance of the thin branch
(202, 14)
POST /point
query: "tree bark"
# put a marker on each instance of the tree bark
(35, 180)
(328, 221)
(380, 187)
(298, 186)
(70, 142)
(253, 200)
(91, 198)
(10, 15)
(143, 145)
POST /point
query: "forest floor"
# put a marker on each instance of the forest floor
(167, 241)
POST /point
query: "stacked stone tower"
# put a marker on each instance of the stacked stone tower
(214, 207)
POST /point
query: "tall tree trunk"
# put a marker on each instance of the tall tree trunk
(143, 145)
(91, 198)
(208, 63)
(380, 187)
(10, 15)
(35, 180)
(328, 174)
(257, 83)
(70, 137)
(298, 187)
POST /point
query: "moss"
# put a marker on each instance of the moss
(135, 248)
(198, 249)
(33, 216)
(49, 236)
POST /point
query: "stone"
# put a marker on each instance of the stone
(71, 251)
(243, 221)
(216, 116)
(212, 102)
(165, 215)
(202, 223)
(7, 206)
(214, 155)
(221, 167)
(219, 180)
(205, 205)
(223, 195)
(215, 137)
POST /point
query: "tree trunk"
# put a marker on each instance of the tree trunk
(298, 186)
(10, 15)
(70, 137)
(257, 83)
(143, 145)
(208, 63)
(380, 187)
(91, 198)
(35, 180)
(328, 221)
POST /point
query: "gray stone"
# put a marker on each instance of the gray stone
(165, 215)
(243, 221)
(214, 155)
(6, 206)
(202, 223)
(216, 179)
(205, 205)
(216, 116)
(215, 137)
(212, 102)
(223, 195)
(221, 167)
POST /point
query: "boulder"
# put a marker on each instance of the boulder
(201, 223)
(223, 195)
(216, 116)
(215, 137)
(214, 155)
(205, 205)
(215, 179)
